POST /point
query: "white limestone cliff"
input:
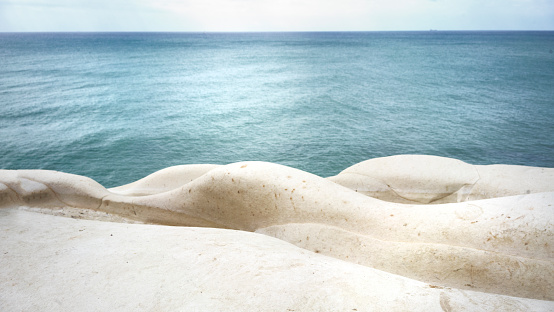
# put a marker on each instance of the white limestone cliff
(489, 244)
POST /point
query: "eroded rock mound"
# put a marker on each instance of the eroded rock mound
(422, 179)
(501, 245)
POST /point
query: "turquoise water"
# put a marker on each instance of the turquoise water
(118, 106)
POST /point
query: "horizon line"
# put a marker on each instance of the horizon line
(276, 31)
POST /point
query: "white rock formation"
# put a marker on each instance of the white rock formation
(164, 180)
(493, 254)
(421, 179)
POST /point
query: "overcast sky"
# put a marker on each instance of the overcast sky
(274, 15)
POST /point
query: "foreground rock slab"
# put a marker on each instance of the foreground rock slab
(61, 264)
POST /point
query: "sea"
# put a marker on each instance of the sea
(118, 106)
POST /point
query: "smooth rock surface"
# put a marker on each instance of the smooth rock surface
(502, 245)
(60, 264)
(423, 179)
(164, 180)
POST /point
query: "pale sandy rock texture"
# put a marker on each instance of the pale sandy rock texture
(164, 180)
(356, 252)
(422, 179)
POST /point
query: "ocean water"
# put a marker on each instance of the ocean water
(118, 106)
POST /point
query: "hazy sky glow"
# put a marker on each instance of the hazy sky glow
(274, 15)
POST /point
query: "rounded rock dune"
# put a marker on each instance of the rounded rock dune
(469, 248)
(501, 245)
(163, 180)
(423, 179)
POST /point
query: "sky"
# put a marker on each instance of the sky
(274, 15)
